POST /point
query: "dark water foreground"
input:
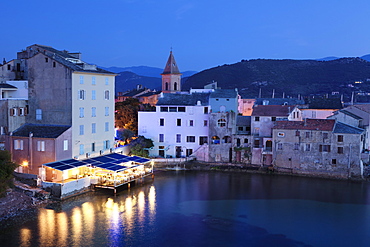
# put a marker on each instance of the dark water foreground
(187, 208)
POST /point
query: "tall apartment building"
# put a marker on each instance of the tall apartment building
(65, 91)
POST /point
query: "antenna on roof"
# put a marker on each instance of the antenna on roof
(273, 93)
(260, 93)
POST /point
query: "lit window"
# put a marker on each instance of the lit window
(281, 134)
(215, 140)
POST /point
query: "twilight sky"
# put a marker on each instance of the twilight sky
(202, 33)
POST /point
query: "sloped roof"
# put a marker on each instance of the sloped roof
(363, 107)
(41, 130)
(272, 110)
(308, 124)
(171, 66)
(350, 114)
(6, 85)
(62, 56)
(347, 129)
(184, 99)
(224, 93)
(149, 94)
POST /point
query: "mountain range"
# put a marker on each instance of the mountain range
(252, 77)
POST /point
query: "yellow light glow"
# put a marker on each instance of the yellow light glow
(25, 163)
(25, 237)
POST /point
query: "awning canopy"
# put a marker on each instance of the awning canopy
(108, 162)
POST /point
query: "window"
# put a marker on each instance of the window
(164, 109)
(93, 147)
(189, 152)
(340, 138)
(161, 137)
(65, 145)
(172, 109)
(340, 150)
(273, 118)
(22, 111)
(246, 140)
(82, 112)
(280, 146)
(296, 146)
(238, 142)
(226, 139)
(107, 111)
(81, 79)
(93, 128)
(190, 139)
(93, 111)
(334, 161)
(178, 122)
(308, 134)
(205, 123)
(9, 67)
(18, 144)
(106, 81)
(308, 147)
(81, 94)
(257, 119)
(240, 128)
(38, 114)
(257, 143)
(106, 144)
(205, 110)
(203, 140)
(93, 95)
(82, 149)
(40, 145)
(325, 135)
(297, 133)
(191, 123)
(175, 86)
(106, 94)
(46, 59)
(178, 138)
(13, 112)
(82, 130)
(324, 148)
(93, 80)
(161, 122)
(181, 109)
(106, 126)
(221, 122)
(54, 64)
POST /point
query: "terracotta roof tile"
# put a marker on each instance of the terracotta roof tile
(309, 124)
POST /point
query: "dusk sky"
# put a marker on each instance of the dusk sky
(202, 34)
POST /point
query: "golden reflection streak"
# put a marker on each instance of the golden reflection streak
(152, 202)
(62, 224)
(88, 212)
(25, 237)
(76, 226)
(141, 206)
(128, 215)
(46, 226)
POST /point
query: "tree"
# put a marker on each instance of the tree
(140, 146)
(7, 168)
(125, 135)
(127, 114)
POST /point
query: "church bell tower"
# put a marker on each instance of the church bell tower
(171, 76)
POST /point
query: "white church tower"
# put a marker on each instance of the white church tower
(171, 76)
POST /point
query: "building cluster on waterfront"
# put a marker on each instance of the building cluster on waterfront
(283, 134)
(54, 107)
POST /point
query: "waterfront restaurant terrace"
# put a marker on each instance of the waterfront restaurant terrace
(108, 171)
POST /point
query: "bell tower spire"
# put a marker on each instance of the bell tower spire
(171, 76)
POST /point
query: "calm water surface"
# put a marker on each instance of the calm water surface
(184, 208)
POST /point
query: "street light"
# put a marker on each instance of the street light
(25, 164)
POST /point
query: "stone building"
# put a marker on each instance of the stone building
(321, 147)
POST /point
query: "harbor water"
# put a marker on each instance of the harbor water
(205, 208)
